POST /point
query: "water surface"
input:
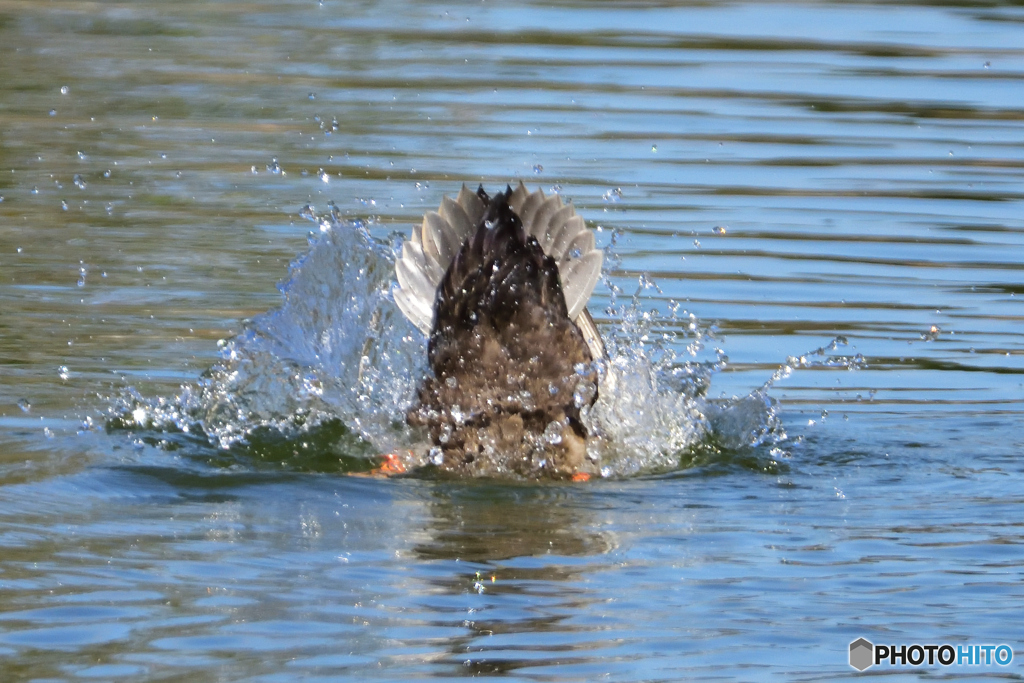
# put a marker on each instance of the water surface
(788, 174)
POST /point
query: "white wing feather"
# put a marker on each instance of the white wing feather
(559, 230)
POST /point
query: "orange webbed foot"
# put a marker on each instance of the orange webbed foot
(392, 464)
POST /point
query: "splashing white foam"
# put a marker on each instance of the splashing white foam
(338, 348)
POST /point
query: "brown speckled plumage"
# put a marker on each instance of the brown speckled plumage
(510, 369)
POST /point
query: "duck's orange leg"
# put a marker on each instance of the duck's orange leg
(391, 466)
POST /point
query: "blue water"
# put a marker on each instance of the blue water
(831, 190)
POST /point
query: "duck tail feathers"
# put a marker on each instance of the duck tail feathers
(429, 251)
(433, 245)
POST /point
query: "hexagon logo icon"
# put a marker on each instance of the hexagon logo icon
(862, 654)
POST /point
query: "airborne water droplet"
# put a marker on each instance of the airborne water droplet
(553, 433)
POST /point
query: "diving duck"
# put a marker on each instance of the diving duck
(500, 285)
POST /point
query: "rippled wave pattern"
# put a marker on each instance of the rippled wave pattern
(787, 190)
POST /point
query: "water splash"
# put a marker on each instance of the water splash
(337, 348)
(329, 375)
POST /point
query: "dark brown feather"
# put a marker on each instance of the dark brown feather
(511, 371)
